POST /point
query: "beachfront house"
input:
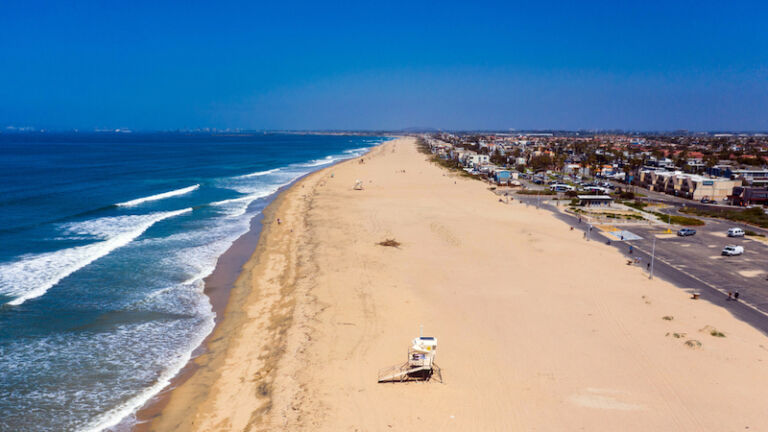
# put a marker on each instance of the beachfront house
(474, 159)
(502, 176)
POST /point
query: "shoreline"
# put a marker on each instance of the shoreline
(320, 307)
(218, 288)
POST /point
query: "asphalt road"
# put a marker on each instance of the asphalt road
(695, 263)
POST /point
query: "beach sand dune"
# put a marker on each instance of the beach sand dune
(537, 329)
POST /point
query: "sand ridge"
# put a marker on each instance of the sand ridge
(538, 329)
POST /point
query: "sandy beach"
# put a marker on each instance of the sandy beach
(537, 329)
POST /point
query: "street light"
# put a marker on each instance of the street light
(653, 257)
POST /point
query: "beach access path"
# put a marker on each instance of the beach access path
(537, 329)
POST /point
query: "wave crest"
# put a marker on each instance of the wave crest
(32, 276)
(160, 196)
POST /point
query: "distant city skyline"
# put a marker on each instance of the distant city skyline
(650, 66)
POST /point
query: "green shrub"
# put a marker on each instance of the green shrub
(637, 205)
(536, 192)
(753, 215)
(679, 220)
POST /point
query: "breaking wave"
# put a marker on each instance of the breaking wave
(32, 276)
(163, 195)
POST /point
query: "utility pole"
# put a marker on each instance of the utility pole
(653, 257)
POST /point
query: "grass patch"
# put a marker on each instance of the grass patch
(754, 215)
(422, 146)
(668, 317)
(637, 205)
(536, 192)
(390, 243)
(674, 219)
(716, 333)
(618, 215)
(753, 234)
(450, 164)
(693, 344)
(678, 220)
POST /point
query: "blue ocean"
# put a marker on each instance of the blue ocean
(105, 240)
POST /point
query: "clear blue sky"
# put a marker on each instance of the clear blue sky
(699, 65)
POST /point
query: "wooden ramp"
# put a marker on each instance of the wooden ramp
(405, 372)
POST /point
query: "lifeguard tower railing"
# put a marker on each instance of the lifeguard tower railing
(419, 367)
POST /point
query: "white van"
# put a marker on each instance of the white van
(733, 250)
(735, 232)
(559, 187)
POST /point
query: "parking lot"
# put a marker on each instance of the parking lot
(700, 257)
(695, 263)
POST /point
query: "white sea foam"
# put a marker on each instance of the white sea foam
(319, 162)
(163, 195)
(176, 364)
(260, 173)
(33, 275)
(235, 207)
(199, 262)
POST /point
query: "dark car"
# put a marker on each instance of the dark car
(685, 232)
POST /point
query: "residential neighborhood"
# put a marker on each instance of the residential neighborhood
(722, 169)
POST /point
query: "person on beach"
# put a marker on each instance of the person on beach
(630, 249)
(278, 221)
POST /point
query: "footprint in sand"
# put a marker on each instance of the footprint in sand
(445, 234)
(603, 399)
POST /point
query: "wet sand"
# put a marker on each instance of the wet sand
(218, 286)
(537, 329)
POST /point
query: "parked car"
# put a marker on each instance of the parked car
(707, 201)
(685, 232)
(733, 250)
(558, 187)
(735, 232)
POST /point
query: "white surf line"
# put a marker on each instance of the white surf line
(722, 291)
(117, 414)
(163, 195)
(75, 259)
(260, 173)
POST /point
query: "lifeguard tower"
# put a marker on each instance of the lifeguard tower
(420, 366)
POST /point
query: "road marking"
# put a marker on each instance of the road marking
(624, 235)
(722, 291)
